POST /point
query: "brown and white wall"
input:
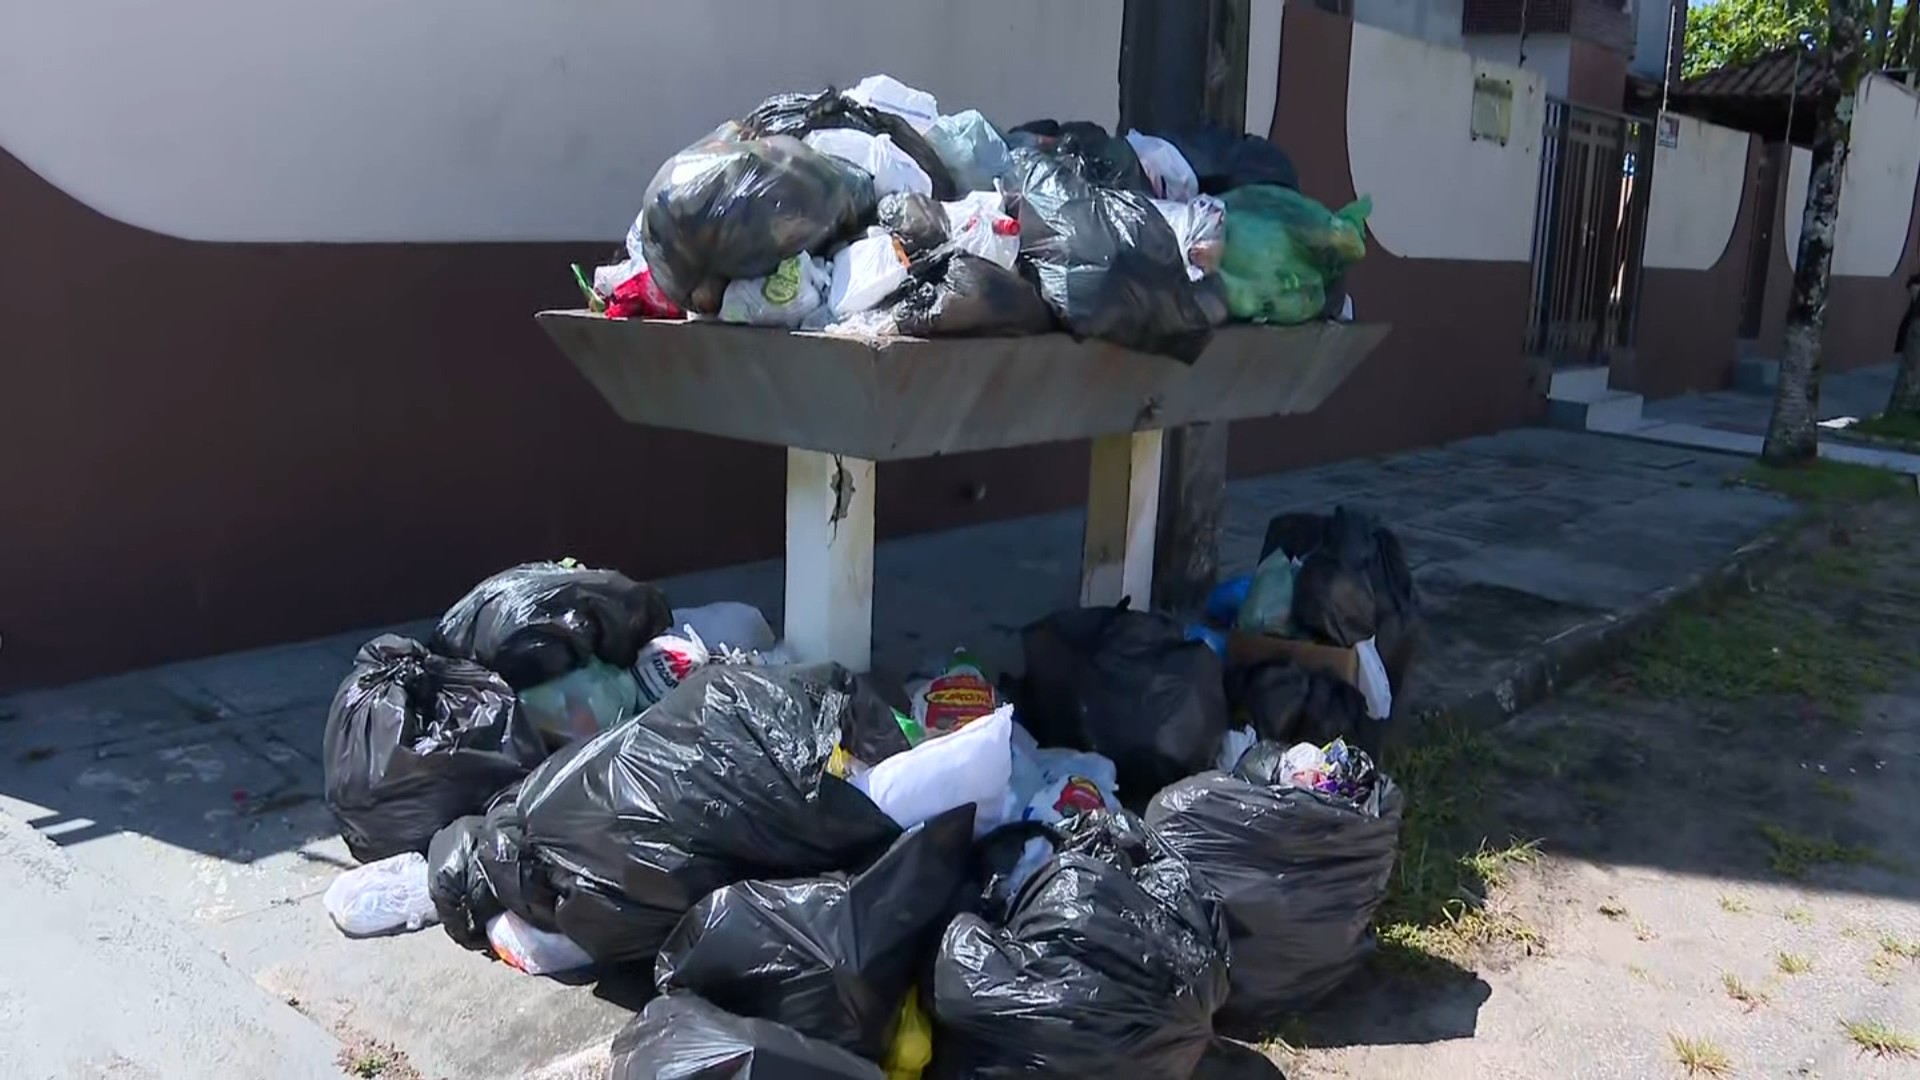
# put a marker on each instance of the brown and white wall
(267, 365)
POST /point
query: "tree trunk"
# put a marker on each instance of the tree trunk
(1906, 380)
(1877, 45)
(1793, 431)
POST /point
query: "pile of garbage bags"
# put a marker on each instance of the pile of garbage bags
(1099, 867)
(872, 213)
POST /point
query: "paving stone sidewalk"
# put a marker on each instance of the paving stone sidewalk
(198, 784)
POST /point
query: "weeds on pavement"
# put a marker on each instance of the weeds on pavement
(1796, 854)
(1733, 905)
(1792, 963)
(1878, 1039)
(1741, 992)
(1700, 1057)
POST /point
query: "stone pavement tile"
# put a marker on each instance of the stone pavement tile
(1549, 573)
(93, 713)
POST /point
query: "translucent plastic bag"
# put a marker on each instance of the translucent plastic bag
(728, 208)
(1269, 605)
(1282, 249)
(1166, 167)
(866, 272)
(979, 225)
(891, 168)
(382, 897)
(1201, 227)
(581, 703)
(528, 948)
(971, 148)
(727, 624)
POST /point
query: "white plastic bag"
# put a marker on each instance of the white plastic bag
(612, 276)
(1166, 167)
(381, 897)
(972, 765)
(1374, 684)
(727, 624)
(531, 949)
(980, 225)
(879, 155)
(1234, 747)
(866, 272)
(971, 148)
(795, 290)
(665, 662)
(918, 107)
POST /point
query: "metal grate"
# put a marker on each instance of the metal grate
(1589, 233)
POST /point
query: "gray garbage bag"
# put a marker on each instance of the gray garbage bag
(965, 295)
(972, 149)
(724, 780)
(680, 1037)
(1298, 872)
(831, 957)
(918, 222)
(730, 208)
(538, 621)
(1111, 963)
(414, 741)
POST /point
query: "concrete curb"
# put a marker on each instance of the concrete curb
(1580, 650)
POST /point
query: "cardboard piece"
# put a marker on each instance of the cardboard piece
(1245, 649)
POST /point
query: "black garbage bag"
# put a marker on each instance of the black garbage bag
(415, 740)
(918, 222)
(539, 621)
(1224, 160)
(480, 867)
(681, 1037)
(1354, 583)
(1299, 872)
(1106, 261)
(724, 780)
(798, 114)
(1287, 704)
(1110, 964)
(1104, 159)
(1127, 684)
(729, 207)
(965, 295)
(831, 957)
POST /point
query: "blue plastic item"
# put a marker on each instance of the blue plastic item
(1223, 603)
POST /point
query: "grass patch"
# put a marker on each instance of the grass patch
(1903, 427)
(1878, 1039)
(1741, 992)
(1761, 646)
(1833, 789)
(1733, 905)
(1798, 916)
(1828, 482)
(1643, 931)
(1900, 947)
(1796, 854)
(1792, 963)
(1700, 1057)
(1640, 973)
(1613, 910)
(1436, 910)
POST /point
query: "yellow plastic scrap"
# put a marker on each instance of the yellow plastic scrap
(912, 1049)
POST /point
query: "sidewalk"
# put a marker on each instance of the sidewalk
(1736, 420)
(199, 782)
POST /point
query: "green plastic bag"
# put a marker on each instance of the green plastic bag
(1283, 248)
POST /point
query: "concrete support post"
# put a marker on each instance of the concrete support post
(1123, 504)
(830, 558)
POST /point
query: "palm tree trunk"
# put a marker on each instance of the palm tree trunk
(1793, 432)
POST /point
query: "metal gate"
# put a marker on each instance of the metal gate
(1589, 233)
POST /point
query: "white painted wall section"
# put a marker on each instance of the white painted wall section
(1697, 188)
(1264, 19)
(475, 120)
(1876, 200)
(1437, 192)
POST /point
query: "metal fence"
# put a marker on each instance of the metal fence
(1589, 233)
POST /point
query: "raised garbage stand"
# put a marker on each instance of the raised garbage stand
(842, 405)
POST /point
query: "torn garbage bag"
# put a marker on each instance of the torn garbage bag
(1129, 685)
(1105, 261)
(729, 208)
(538, 621)
(415, 740)
(798, 115)
(831, 957)
(725, 780)
(681, 1037)
(965, 296)
(1111, 962)
(1300, 873)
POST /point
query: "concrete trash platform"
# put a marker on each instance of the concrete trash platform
(196, 786)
